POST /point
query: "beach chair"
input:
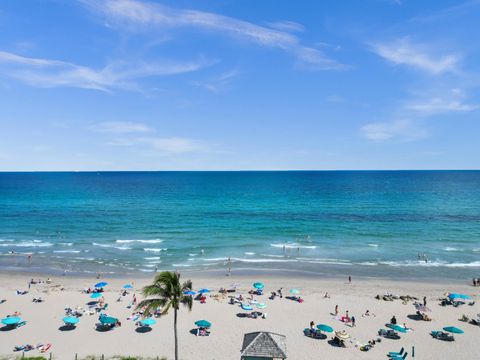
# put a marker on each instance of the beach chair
(396, 354)
(440, 335)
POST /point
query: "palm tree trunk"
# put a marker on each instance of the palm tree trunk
(175, 331)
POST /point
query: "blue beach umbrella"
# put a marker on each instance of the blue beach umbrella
(148, 322)
(189, 292)
(203, 323)
(70, 320)
(12, 320)
(398, 328)
(203, 291)
(258, 285)
(128, 286)
(453, 330)
(101, 284)
(108, 320)
(326, 328)
(95, 295)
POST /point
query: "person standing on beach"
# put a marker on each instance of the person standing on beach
(349, 279)
(424, 301)
(336, 309)
(353, 321)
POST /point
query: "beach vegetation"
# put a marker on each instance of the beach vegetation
(165, 293)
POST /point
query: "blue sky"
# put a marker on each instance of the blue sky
(213, 85)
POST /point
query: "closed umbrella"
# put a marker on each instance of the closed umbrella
(101, 284)
(453, 330)
(11, 320)
(326, 328)
(203, 323)
(258, 285)
(70, 320)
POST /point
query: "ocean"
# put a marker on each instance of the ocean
(406, 224)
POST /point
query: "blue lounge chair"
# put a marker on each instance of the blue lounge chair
(396, 354)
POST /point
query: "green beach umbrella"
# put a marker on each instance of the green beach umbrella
(258, 285)
(70, 320)
(326, 328)
(261, 305)
(203, 323)
(453, 330)
(11, 320)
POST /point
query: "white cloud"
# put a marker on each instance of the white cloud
(286, 25)
(216, 83)
(133, 14)
(403, 52)
(453, 101)
(117, 75)
(120, 127)
(161, 145)
(401, 130)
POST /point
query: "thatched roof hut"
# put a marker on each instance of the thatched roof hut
(262, 345)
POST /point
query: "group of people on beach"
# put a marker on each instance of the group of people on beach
(476, 281)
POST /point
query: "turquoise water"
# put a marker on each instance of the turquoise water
(360, 222)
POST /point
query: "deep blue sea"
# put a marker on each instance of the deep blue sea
(371, 223)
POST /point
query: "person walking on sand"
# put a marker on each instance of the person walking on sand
(336, 309)
(424, 301)
(353, 321)
(349, 279)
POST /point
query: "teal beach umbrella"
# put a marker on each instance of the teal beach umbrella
(11, 320)
(203, 323)
(453, 330)
(101, 284)
(108, 320)
(70, 320)
(294, 291)
(398, 328)
(258, 285)
(148, 322)
(326, 328)
(95, 295)
(128, 286)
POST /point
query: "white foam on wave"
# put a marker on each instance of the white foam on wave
(451, 248)
(181, 265)
(293, 246)
(67, 251)
(112, 246)
(192, 255)
(373, 245)
(152, 258)
(6, 240)
(249, 253)
(34, 243)
(152, 241)
(145, 270)
(65, 244)
(155, 250)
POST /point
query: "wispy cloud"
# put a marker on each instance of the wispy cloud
(217, 83)
(453, 101)
(399, 130)
(41, 72)
(161, 145)
(286, 25)
(120, 127)
(419, 56)
(134, 14)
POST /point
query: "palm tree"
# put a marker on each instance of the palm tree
(167, 292)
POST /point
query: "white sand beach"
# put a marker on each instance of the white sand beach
(283, 316)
